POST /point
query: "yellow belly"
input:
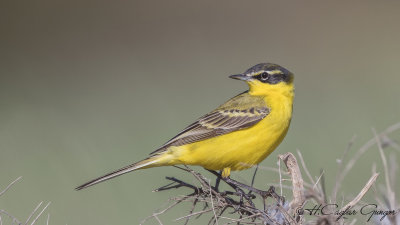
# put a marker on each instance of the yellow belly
(240, 149)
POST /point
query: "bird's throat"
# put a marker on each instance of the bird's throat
(269, 91)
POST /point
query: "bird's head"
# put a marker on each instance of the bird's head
(266, 77)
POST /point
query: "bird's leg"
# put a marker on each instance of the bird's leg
(234, 184)
(237, 188)
(254, 177)
(217, 181)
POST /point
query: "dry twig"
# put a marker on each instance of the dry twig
(8, 186)
(14, 219)
(363, 191)
(241, 197)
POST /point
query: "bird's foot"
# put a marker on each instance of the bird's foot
(264, 194)
(237, 185)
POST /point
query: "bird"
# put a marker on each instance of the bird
(237, 135)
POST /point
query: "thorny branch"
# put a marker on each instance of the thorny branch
(237, 203)
(215, 203)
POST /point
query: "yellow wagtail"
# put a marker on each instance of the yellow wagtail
(237, 135)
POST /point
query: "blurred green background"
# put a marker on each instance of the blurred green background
(87, 87)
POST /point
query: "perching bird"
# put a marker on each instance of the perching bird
(237, 135)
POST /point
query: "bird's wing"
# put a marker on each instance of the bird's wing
(240, 112)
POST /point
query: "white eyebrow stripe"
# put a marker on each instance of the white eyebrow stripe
(257, 72)
(270, 72)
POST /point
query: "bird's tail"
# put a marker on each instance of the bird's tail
(146, 163)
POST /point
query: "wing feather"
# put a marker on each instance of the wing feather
(241, 112)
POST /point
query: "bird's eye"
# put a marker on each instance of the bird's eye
(264, 76)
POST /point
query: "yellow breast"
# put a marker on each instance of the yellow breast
(243, 148)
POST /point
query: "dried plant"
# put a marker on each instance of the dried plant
(32, 218)
(237, 204)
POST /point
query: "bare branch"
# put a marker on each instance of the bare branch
(41, 212)
(303, 164)
(13, 218)
(390, 193)
(316, 182)
(212, 202)
(33, 212)
(339, 174)
(298, 188)
(241, 196)
(8, 187)
(363, 191)
(194, 214)
(280, 174)
(365, 148)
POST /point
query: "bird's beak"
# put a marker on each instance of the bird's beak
(240, 77)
